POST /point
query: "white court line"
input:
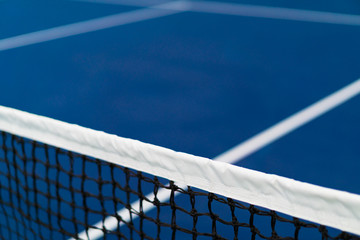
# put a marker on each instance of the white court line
(134, 3)
(168, 9)
(92, 25)
(275, 13)
(240, 152)
(291, 123)
(112, 223)
(253, 11)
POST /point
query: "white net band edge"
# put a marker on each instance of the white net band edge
(325, 206)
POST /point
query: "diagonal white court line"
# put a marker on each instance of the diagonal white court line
(253, 11)
(92, 25)
(167, 9)
(291, 123)
(275, 13)
(239, 152)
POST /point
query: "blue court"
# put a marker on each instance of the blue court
(196, 81)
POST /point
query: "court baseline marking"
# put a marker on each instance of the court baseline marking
(170, 8)
(135, 3)
(237, 153)
(250, 11)
(92, 25)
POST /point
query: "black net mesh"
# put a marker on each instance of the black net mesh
(51, 193)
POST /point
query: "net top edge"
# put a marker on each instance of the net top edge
(322, 205)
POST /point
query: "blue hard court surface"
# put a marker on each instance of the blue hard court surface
(195, 82)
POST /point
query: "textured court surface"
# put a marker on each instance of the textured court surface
(195, 82)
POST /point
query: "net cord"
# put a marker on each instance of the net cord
(242, 150)
(333, 208)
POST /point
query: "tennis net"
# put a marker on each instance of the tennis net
(62, 181)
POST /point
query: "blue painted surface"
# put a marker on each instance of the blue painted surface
(194, 82)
